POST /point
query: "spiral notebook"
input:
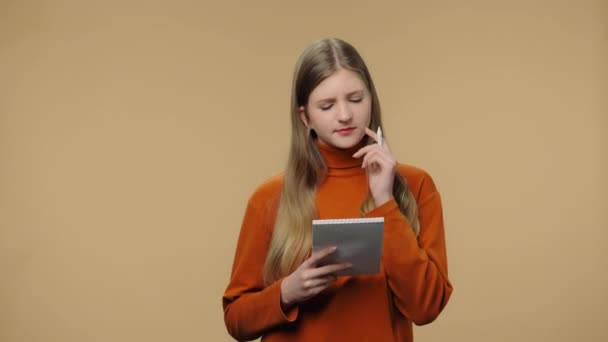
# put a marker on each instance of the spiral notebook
(359, 241)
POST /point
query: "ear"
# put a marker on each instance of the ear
(303, 117)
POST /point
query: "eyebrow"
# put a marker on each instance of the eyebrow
(354, 92)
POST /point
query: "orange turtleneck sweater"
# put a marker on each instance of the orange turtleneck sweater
(412, 285)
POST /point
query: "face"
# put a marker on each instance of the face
(339, 109)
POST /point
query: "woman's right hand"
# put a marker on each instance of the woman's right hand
(308, 280)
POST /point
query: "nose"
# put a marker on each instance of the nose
(344, 113)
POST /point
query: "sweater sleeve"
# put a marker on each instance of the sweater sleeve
(250, 308)
(416, 268)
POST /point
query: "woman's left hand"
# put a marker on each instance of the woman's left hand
(381, 166)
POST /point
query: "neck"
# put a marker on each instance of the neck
(340, 159)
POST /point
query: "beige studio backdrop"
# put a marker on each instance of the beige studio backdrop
(132, 134)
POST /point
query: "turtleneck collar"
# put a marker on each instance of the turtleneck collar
(341, 161)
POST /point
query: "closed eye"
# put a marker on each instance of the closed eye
(326, 107)
(356, 100)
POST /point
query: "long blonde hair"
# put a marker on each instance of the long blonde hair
(291, 239)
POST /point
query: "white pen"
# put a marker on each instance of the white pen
(379, 135)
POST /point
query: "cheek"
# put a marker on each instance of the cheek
(364, 111)
(316, 119)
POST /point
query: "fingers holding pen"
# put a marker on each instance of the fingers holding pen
(375, 157)
(376, 154)
(380, 165)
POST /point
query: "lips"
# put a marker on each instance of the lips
(346, 130)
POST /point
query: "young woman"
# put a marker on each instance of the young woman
(281, 291)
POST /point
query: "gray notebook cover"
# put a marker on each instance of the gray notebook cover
(359, 241)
